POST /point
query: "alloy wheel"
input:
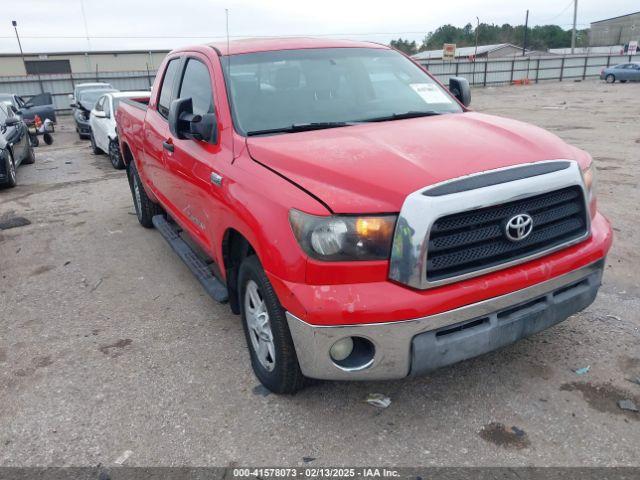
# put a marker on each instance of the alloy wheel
(259, 326)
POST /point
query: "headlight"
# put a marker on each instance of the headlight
(344, 238)
(589, 178)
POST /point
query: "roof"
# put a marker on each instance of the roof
(90, 52)
(252, 45)
(464, 51)
(615, 18)
(129, 94)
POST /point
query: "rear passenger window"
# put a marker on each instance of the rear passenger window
(196, 84)
(167, 84)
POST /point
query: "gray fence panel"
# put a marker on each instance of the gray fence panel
(60, 86)
(522, 69)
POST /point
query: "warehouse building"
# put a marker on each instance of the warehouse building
(616, 30)
(80, 62)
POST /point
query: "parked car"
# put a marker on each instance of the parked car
(104, 135)
(622, 73)
(364, 223)
(82, 107)
(15, 148)
(88, 86)
(29, 107)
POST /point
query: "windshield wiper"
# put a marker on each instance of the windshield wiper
(401, 116)
(299, 127)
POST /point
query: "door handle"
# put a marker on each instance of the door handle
(168, 145)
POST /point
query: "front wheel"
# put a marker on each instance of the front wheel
(273, 355)
(610, 78)
(114, 155)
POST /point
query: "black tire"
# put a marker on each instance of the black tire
(145, 208)
(115, 156)
(94, 147)
(31, 156)
(10, 168)
(34, 140)
(285, 375)
(610, 78)
(48, 138)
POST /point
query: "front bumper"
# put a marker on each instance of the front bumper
(83, 126)
(416, 346)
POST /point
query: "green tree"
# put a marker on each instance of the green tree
(404, 46)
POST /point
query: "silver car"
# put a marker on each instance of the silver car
(622, 73)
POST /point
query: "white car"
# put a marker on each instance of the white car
(104, 135)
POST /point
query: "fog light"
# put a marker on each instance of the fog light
(341, 349)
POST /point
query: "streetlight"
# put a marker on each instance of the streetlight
(15, 27)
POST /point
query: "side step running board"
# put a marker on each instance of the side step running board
(203, 273)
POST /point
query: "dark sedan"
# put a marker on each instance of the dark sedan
(15, 147)
(82, 108)
(29, 107)
(622, 73)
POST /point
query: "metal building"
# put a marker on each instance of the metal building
(615, 31)
(80, 62)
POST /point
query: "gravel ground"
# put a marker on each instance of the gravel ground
(108, 344)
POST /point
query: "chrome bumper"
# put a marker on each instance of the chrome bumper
(415, 346)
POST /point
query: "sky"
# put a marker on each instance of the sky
(58, 25)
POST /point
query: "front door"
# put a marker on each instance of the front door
(192, 162)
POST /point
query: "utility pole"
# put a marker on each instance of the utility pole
(15, 27)
(475, 53)
(86, 32)
(526, 30)
(573, 32)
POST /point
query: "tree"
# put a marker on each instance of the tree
(404, 46)
(541, 37)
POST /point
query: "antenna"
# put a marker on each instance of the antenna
(233, 140)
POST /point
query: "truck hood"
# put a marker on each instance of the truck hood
(372, 167)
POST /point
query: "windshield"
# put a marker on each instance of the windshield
(91, 96)
(278, 89)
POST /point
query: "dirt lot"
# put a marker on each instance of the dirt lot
(108, 344)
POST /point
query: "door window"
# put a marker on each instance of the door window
(99, 104)
(196, 84)
(166, 89)
(107, 107)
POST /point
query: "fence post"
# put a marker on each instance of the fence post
(562, 69)
(537, 69)
(584, 69)
(608, 60)
(484, 82)
(457, 65)
(513, 64)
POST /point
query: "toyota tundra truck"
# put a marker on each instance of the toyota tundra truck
(361, 219)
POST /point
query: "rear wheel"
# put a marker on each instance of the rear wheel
(610, 78)
(94, 147)
(145, 208)
(115, 156)
(273, 355)
(10, 168)
(31, 156)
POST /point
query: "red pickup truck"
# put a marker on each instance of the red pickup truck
(359, 217)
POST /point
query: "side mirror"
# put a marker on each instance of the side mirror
(70, 96)
(99, 114)
(73, 105)
(184, 124)
(459, 87)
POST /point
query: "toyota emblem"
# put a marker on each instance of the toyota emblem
(519, 227)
